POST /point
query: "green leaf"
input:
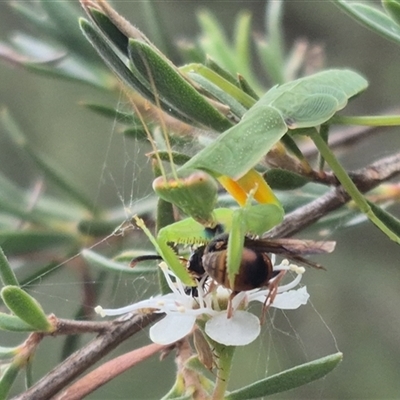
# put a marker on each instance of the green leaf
(221, 95)
(289, 379)
(271, 51)
(48, 166)
(8, 352)
(6, 272)
(26, 308)
(392, 7)
(225, 85)
(282, 179)
(242, 47)
(112, 113)
(214, 66)
(372, 18)
(13, 323)
(214, 42)
(103, 22)
(245, 86)
(388, 219)
(99, 261)
(166, 80)
(9, 374)
(113, 61)
(19, 242)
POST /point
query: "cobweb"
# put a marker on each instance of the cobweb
(72, 289)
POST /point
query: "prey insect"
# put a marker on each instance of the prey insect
(256, 268)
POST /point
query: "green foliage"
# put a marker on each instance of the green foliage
(214, 119)
(385, 24)
(26, 308)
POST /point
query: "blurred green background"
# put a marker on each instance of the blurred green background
(355, 304)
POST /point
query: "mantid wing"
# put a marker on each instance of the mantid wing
(241, 147)
(338, 83)
(312, 100)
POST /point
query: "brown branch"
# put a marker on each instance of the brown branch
(365, 178)
(56, 380)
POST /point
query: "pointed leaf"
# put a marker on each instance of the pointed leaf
(112, 113)
(392, 7)
(214, 42)
(289, 379)
(6, 272)
(372, 18)
(8, 352)
(100, 261)
(14, 324)
(221, 95)
(26, 308)
(19, 242)
(103, 22)
(8, 378)
(219, 81)
(388, 219)
(170, 84)
(282, 179)
(116, 65)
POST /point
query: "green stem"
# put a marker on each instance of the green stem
(373, 120)
(349, 185)
(225, 356)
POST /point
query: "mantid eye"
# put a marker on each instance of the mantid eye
(193, 191)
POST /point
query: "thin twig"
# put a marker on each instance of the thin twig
(81, 360)
(365, 178)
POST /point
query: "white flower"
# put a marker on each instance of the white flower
(182, 309)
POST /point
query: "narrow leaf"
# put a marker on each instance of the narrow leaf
(388, 219)
(392, 7)
(116, 65)
(6, 272)
(8, 352)
(289, 379)
(371, 18)
(99, 261)
(26, 308)
(14, 324)
(20, 242)
(8, 379)
(170, 84)
(281, 179)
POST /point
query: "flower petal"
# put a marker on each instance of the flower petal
(292, 299)
(172, 328)
(241, 329)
